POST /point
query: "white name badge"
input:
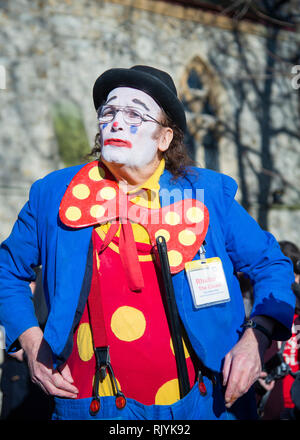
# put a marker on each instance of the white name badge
(207, 282)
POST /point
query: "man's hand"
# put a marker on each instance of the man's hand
(39, 358)
(243, 364)
(18, 355)
(266, 386)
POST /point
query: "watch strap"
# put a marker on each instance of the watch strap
(250, 323)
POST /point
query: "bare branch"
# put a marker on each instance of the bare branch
(269, 18)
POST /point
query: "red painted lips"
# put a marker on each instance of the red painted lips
(118, 143)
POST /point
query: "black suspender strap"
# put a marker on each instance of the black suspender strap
(183, 378)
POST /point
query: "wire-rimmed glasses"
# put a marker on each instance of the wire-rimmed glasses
(131, 115)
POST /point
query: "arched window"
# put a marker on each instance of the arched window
(199, 87)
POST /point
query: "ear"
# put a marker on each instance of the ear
(165, 138)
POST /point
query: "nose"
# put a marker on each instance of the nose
(118, 122)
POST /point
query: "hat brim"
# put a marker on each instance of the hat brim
(140, 80)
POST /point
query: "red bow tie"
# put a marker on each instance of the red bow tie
(93, 197)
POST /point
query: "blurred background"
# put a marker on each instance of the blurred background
(236, 65)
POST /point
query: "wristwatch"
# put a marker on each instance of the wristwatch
(252, 324)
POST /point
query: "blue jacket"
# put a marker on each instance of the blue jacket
(39, 237)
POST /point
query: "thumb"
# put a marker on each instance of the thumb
(66, 373)
(226, 368)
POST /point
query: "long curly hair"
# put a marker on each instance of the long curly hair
(176, 156)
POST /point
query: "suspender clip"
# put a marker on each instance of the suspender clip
(201, 384)
(102, 360)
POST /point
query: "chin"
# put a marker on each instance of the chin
(112, 155)
(126, 158)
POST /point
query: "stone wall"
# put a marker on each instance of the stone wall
(235, 82)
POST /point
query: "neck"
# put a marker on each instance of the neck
(131, 177)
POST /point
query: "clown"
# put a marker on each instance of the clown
(107, 351)
(139, 144)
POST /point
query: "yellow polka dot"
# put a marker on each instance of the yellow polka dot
(96, 173)
(172, 218)
(97, 211)
(186, 237)
(128, 323)
(168, 393)
(85, 342)
(175, 258)
(164, 233)
(106, 387)
(108, 193)
(73, 213)
(140, 234)
(186, 353)
(195, 215)
(81, 191)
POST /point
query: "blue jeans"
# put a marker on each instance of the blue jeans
(193, 406)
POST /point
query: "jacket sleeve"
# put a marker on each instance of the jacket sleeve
(19, 254)
(257, 254)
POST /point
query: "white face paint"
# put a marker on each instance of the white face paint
(133, 146)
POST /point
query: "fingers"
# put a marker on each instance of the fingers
(238, 380)
(266, 386)
(19, 355)
(226, 368)
(53, 383)
(66, 373)
(50, 380)
(40, 362)
(229, 380)
(242, 367)
(57, 385)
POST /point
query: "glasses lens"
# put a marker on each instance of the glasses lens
(106, 114)
(132, 116)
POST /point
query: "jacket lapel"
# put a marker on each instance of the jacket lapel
(71, 259)
(170, 192)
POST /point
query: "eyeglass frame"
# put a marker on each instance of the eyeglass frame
(122, 108)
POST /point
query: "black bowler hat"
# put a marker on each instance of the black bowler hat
(156, 83)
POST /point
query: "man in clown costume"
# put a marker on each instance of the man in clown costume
(107, 351)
